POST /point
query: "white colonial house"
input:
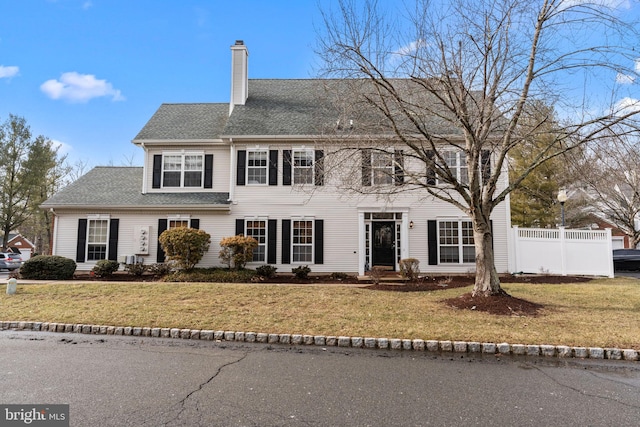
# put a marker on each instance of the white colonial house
(258, 166)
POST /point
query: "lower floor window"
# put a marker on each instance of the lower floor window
(258, 230)
(97, 237)
(302, 241)
(456, 243)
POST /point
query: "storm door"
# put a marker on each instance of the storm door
(384, 244)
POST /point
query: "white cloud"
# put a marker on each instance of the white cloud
(63, 147)
(86, 5)
(609, 4)
(627, 105)
(625, 79)
(76, 87)
(8, 72)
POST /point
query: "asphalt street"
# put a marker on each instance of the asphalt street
(133, 381)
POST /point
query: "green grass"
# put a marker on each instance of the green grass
(603, 312)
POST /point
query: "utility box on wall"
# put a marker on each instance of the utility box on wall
(141, 240)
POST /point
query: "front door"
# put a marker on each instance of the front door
(384, 244)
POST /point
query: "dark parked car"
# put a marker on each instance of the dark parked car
(626, 259)
(8, 263)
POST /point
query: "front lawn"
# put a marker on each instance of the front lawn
(602, 312)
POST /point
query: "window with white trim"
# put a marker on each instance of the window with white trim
(182, 170)
(257, 164)
(382, 168)
(97, 239)
(177, 223)
(456, 161)
(303, 166)
(302, 241)
(257, 228)
(455, 242)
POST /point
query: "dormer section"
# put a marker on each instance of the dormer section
(239, 74)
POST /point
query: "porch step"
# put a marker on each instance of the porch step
(389, 277)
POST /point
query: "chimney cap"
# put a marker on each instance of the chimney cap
(239, 42)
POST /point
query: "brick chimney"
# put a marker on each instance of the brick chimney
(239, 74)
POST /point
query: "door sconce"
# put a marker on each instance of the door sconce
(410, 224)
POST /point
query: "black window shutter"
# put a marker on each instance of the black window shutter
(82, 240)
(318, 167)
(366, 167)
(318, 242)
(162, 226)
(432, 241)
(286, 167)
(398, 173)
(113, 239)
(286, 241)
(195, 223)
(208, 171)
(485, 165)
(157, 171)
(271, 241)
(431, 172)
(273, 167)
(240, 166)
(240, 226)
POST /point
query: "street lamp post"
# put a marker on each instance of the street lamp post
(562, 197)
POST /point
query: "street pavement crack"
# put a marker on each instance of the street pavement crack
(183, 401)
(583, 392)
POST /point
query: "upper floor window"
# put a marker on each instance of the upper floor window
(456, 162)
(303, 166)
(257, 162)
(182, 170)
(382, 167)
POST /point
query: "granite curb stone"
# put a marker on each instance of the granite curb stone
(531, 350)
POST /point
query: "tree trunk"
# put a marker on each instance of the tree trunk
(487, 280)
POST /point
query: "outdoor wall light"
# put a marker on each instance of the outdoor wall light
(410, 224)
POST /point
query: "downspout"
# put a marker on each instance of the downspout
(52, 238)
(232, 168)
(144, 169)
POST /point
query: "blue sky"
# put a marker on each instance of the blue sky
(88, 74)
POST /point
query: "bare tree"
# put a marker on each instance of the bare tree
(462, 75)
(610, 176)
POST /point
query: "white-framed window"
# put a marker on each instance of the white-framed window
(382, 168)
(302, 240)
(455, 242)
(257, 228)
(456, 161)
(182, 170)
(97, 239)
(177, 223)
(257, 167)
(303, 160)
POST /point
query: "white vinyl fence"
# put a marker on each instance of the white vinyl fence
(562, 251)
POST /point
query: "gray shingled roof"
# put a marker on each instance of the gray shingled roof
(275, 107)
(120, 187)
(186, 122)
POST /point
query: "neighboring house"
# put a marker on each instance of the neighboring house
(619, 240)
(255, 166)
(19, 243)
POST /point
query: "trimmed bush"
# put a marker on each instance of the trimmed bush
(162, 268)
(48, 267)
(137, 269)
(301, 272)
(185, 246)
(105, 268)
(237, 251)
(266, 271)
